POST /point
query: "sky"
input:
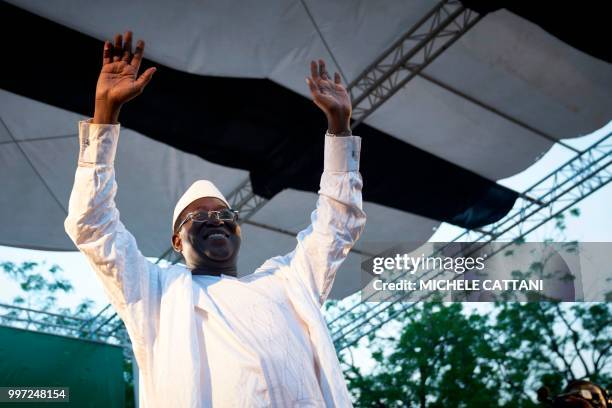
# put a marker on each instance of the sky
(593, 225)
(595, 221)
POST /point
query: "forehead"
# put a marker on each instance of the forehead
(204, 204)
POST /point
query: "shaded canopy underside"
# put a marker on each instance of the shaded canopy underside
(229, 102)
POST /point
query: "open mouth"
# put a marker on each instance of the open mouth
(215, 235)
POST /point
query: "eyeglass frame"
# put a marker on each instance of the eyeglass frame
(189, 216)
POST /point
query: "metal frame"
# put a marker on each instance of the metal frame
(73, 327)
(446, 22)
(409, 55)
(67, 326)
(577, 178)
(401, 62)
(244, 199)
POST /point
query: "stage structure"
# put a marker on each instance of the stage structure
(434, 109)
(406, 59)
(41, 348)
(582, 175)
(586, 172)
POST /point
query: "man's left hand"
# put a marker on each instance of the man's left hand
(331, 97)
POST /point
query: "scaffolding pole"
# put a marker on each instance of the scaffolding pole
(409, 55)
(67, 326)
(402, 61)
(574, 180)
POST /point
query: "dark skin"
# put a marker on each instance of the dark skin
(203, 254)
(119, 83)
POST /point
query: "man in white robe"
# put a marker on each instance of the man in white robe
(203, 337)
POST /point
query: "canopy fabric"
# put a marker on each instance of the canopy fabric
(258, 126)
(579, 27)
(229, 102)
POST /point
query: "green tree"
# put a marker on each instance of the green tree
(443, 357)
(550, 343)
(39, 287)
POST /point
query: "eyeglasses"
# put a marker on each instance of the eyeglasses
(226, 214)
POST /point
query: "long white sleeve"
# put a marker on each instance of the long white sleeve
(336, 223)
(130, 281)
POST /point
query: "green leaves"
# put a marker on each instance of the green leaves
(31, 279)
(39, 289)
(442, 357)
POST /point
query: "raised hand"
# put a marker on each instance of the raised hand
(331, 97)
(118, 81)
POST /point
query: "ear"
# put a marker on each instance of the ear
(177, 243)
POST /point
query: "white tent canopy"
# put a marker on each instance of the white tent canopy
(503, 65)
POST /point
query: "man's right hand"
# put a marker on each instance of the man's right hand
(118, 82)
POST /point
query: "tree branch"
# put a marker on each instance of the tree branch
(574, 338)
(602, 353)
(555, 349)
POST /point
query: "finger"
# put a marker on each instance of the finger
(107, 53)
(314, 73)
(127, 47)
(118, 49)
(322, 70)
(337, 78)
(138, 54)
(145, 78)
(313, 88)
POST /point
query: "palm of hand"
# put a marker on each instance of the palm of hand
(332, 97)
(117, 82)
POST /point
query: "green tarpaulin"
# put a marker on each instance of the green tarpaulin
(93, 371)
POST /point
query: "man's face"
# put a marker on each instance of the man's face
(210, 246)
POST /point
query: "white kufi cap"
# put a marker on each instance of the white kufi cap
(199, 189)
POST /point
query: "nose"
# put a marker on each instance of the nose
(213, 221)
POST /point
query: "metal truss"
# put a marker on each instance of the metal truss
(245, 200)
(242, 199)
(409, 55)
(98, 328)
(574, 180)
(405, 59)
(401, 62)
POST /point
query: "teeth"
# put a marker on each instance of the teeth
(216, 235)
